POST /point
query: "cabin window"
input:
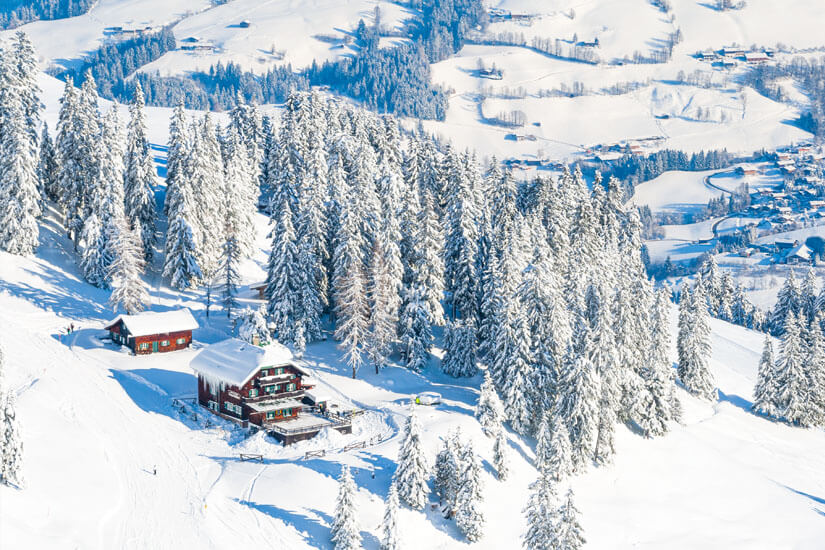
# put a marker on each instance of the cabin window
(269, 389)
(144, 345)
(213, 406)
(279, 371)
(270, 415)
(290, 387)
(232, 407)
(253, 392)
(180, 341)
(287, 412)
(264, 372)
(164, 343)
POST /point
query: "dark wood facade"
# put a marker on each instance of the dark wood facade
(257, 401)
(152, 343)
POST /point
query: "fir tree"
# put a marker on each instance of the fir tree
(11, 444)
(349, 291)
(541, 515)
(384, 303)
(693, 368)
(765, 393)
(252, 325)
(48, 171)
(415, 330)
(792, 389)
(447, 470)
(568, 531)
(489, 410)
(460, 343)
(657, 375)
(468, 516)
(500, 460)
(139, 178)
(283, 276)
(787, 302)
(411, 475)
(389, 526)
(345, 532)
(129, 291)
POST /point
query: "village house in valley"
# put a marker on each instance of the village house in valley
(153, 332)
(263, 386)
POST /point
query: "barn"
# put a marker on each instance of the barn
(263, 386)
(153, 332)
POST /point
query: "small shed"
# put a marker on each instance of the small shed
(153, 332)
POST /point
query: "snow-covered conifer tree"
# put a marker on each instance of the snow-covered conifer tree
(252, 325)
(787, 302)
(765, 393)
(128, 288)
(11, 444)
(447, 469)
(489, 410)
(542, 515)
(460, 344)
(384, 303)
(177, 172)
(349, 284)
(578, 400)
(389, 526)
(500, 459)
(229, 272)
(139, 177)
(412, 473)
(568, 532)
(48, 171)
(460, 248)
(655, 410)
(415, 330)
(19, 188)
(283, 278)
(468, 516)
(693, 369)
(345, 532)
(792, 385)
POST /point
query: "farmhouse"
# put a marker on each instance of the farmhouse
(756, 57)
(263, 386)
(151, 332)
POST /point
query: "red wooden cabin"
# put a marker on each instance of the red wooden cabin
(261, 385)
(152, 332)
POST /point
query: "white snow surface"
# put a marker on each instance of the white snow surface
(156, 322)
(234, 361)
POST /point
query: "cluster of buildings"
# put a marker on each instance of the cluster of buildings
(498, 15)
(729, 56)
(262, 386)
(195, 43)
(130, 32)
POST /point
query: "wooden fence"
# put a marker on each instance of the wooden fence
(245, 457)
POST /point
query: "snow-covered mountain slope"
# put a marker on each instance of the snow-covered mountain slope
(719, 113)
(97, 421)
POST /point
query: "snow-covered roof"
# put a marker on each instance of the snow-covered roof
(274, 405)
(234, 361)
(152, 322)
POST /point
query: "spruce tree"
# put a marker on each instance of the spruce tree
(459, 354)
(500, 459)
(139, 177)
(415, 330)
(468, 517)
(412, 473)
(389, 525)
(815, 374)
(19, 188)
(384, 303)
(693, 369)
(657, 374)
(128, 291)
(541, 514)
(792, 389)
(447, 469)
(251, 325)
(568, 531)
(349, 288)
(345, 532)
(11, 444)
(765, 393)
(48, 171)
(787, 302)
(489, 410)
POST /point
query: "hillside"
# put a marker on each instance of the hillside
(96, 421)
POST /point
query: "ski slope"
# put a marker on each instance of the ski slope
(97, 421)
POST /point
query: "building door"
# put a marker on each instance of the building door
(155, 346)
